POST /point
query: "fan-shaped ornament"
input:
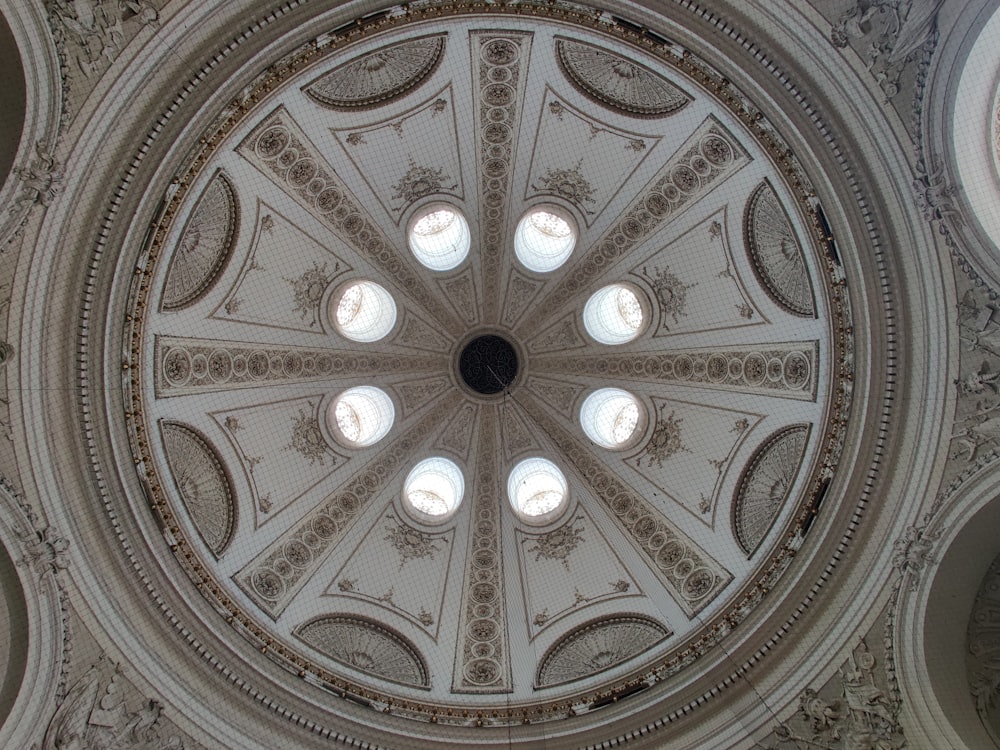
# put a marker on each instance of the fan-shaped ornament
(598, 646)
(777, 256)
(618, 82)
(380, 76)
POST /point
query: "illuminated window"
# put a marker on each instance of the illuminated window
(439, 237)
(362, 416)
(544, 239)
(433, 489)
(363, 311)
(537, 490)
(611, 418)
(615, 314)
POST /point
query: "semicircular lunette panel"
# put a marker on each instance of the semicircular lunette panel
(982, 654)
(205, 245)
(765, 483)
(378, 77)
(366, 646)
(776, 254)
(618, 82)
(598, 646)
(202, 483)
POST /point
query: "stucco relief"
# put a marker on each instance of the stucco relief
(205, 245)
(689, 573)
(777, 255)
(367, 646)
(378, 77)
(787, 370)
(709, 156)
(202, 483)
(616, 82)
(500, 66)
(185, 366)
(983, 650)
(888, 34)
(482, 658)
(101, 710)
(279, 149)
(765, 485)
(858, 708)
(383, 153)
(591, 176)
(274, 576)
(598, 646)
(977, 415)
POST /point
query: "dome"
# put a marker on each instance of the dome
(738, 396)
(509, 374)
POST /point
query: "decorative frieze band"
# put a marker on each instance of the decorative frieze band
(482, 659)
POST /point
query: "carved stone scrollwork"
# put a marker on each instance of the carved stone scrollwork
(619, 83)
(598, 646)
(778, 260)
(889, 32)
(96, 713)
(203, 484)
(367, 646)
(379, 77)
(856, 710)
(204, 247)
(40, 180)
(765, 484)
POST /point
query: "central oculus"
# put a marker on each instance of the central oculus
(488, 364)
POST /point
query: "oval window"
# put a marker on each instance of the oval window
(433, 489)
(363, 311)
(544, 239)
(439, 237)
(362, 416)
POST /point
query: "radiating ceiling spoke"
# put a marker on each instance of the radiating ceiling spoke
(676, 187)
(185, 366)
(274, 577)
(280, 150)
(499, 71)
(787, 371)
(691, 575)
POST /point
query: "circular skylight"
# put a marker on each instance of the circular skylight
(361, 416)
(363, 311)
(434, 488)
(439, 237)
(537, 489)
(615, 314)
(544, 239)
(611, 417)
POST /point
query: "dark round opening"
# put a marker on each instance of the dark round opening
(488, 364)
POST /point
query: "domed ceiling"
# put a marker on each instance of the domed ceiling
(673, 185)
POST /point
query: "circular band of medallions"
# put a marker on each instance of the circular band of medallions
(679, 657)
